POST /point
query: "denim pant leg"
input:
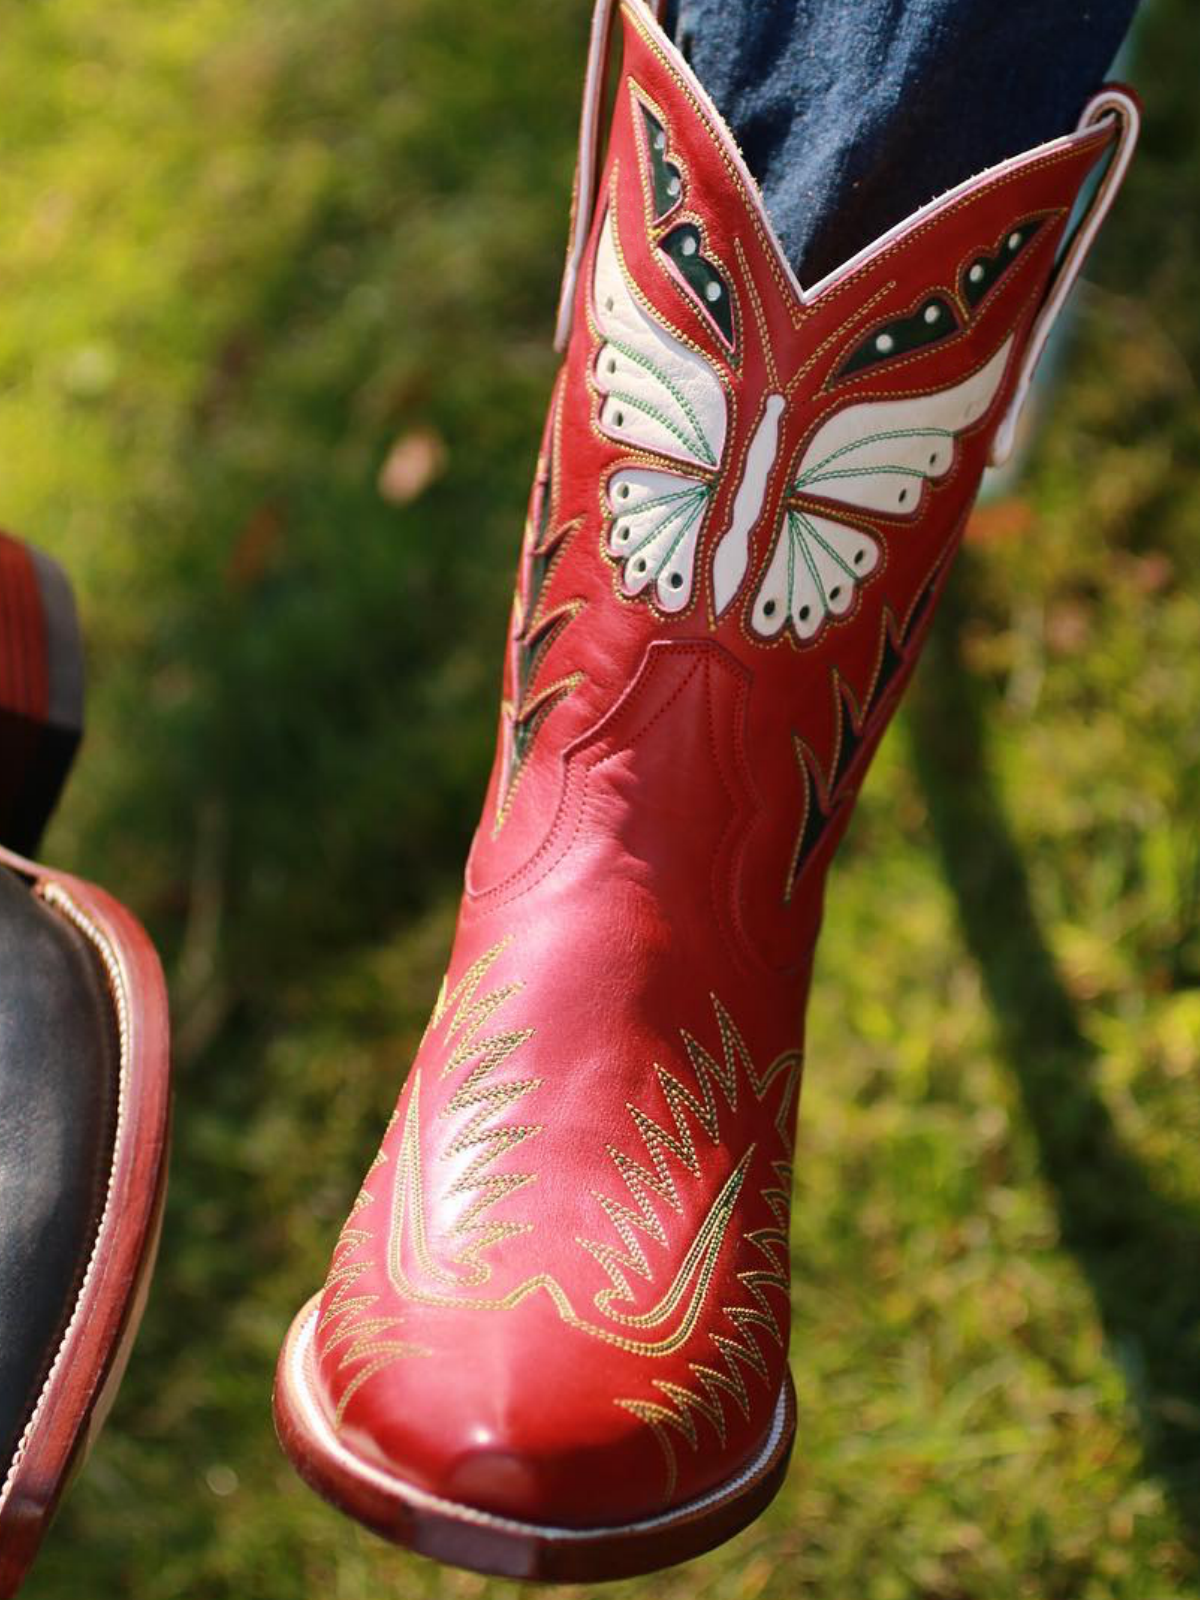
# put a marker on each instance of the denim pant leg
(852, 113)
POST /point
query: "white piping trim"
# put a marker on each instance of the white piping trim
(732, 554)
(54, 895)
(317, 1424)
(1107, 101)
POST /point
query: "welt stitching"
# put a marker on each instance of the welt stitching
(512, 887)
(58, 898)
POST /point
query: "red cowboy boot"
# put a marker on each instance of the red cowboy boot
(83, 1087)
(553, 1339)
(41, 690)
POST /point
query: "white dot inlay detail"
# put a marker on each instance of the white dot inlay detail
(932, 313)
(976, 272)
(884, 343)
(712, 293)
(689, 245)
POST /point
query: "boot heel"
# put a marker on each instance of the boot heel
(41, 691)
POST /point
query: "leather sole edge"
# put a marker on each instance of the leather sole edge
(464, 1536)
(103, 1319)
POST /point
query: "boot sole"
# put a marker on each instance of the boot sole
(41, 691)
(101, 1322)
(464, 1536)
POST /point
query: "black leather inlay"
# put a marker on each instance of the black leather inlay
(685, 246)
(666, 178)
(985, 271)
(935, 320)
(59, 1072)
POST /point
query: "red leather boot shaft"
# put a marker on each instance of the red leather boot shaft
(562, 1296)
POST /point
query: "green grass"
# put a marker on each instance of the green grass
(250, 246)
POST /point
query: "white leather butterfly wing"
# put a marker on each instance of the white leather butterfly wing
(662, 397)
(874, 456)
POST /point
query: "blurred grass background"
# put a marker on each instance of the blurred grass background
(278, 284)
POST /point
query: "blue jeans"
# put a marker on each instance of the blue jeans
(852, 113)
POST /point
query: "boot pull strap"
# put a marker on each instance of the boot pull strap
(1115, 102)
(591, 154)
(587, 168)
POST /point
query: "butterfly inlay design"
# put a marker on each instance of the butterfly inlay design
(668, 402)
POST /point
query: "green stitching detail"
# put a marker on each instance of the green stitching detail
(831, 552)
(663, 500)
(705, 451)
(679, 538)
(688, 513)
(862, 472)
(808, 560)
(867, 439)
(793, 541)
(656, 415)
(690, 510)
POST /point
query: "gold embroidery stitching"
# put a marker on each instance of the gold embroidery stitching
(362, 1331)
(536, 627)
(711, 1382)
(698, 1264)
(485, 1101)
(676, 1315)
(658, 1142)
(408, 1209)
